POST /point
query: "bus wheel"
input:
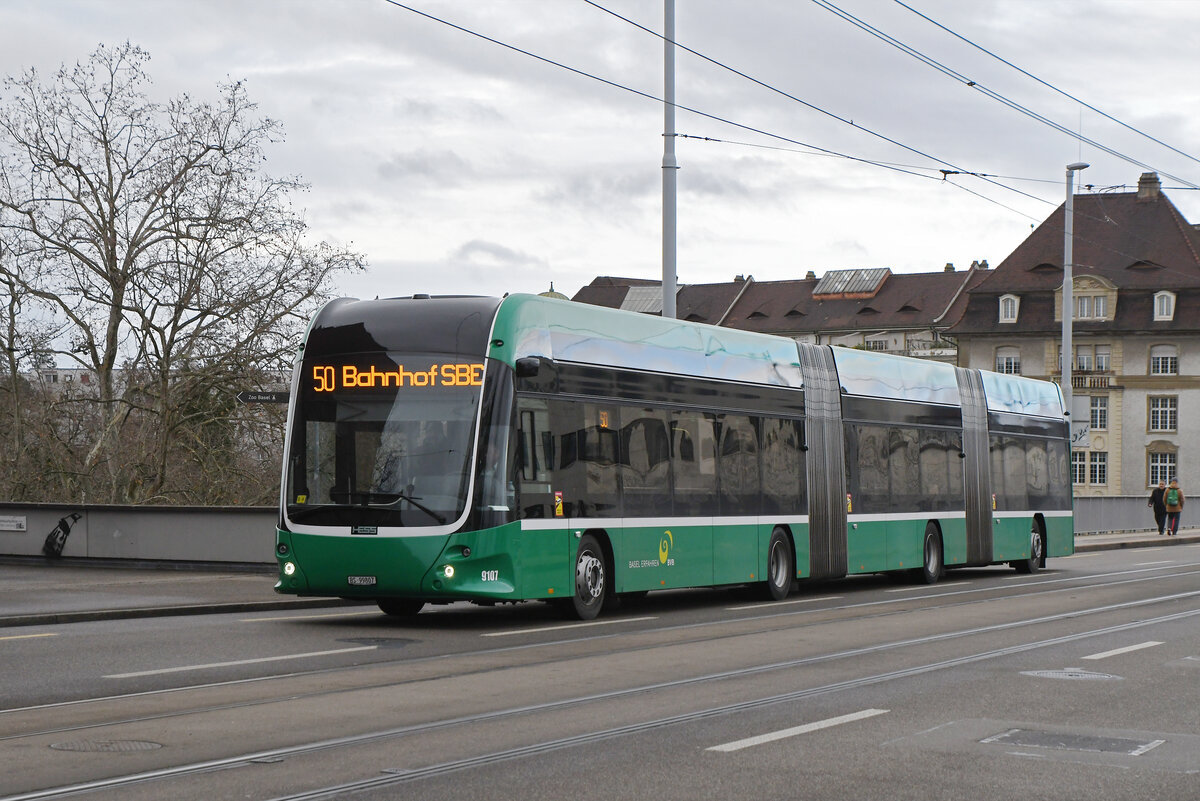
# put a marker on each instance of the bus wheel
(779, 566)
(591, 579)
(1034, 561)
(931, 568)
(400, 607)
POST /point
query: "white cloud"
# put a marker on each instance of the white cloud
(458, 165)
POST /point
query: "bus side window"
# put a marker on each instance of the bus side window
(693, 462)
(904, 466)
(738, 465)
(645, 462)
(535, 459)
(782, 466)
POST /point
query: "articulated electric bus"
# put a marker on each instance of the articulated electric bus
(444, 449)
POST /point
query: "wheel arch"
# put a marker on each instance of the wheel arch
(1039, 520)
(791, 538)
(605, 540)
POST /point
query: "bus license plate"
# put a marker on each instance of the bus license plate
(360, 581)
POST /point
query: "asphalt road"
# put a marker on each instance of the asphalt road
(1076, 683)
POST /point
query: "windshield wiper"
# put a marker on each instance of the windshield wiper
(366, 497)
(406, 497)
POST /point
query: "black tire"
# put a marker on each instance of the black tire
(933, 564)
(592, 579)
(780, 567)
(1037, 551)
(400, 607)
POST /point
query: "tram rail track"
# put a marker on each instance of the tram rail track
(267, 755)
(1119, 578)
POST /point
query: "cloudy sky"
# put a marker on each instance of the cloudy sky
(458, 165)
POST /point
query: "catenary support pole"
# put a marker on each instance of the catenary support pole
(670, 166)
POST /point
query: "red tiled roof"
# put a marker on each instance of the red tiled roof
(912, 300)
(1143, 245)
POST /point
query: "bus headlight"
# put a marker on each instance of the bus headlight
(448, 571)
(289, 568)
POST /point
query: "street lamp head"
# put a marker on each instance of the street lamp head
(1079, 165)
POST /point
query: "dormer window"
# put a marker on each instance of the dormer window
(1010, 306)
(1091, 307)
(1164, 305)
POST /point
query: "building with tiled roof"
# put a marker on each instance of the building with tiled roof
(1135, 334)
(871, 308)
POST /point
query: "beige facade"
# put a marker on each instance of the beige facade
(1135, 334)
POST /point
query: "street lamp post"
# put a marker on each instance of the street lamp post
(1068, 307)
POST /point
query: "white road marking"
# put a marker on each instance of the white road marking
(27, 636)
(1160, 562)
(768, 605)
(184, 668)
(567, 626)
(1125, 650)
(927, 587)
(738, 745)
(375, 612)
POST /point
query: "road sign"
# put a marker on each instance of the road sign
(262, 397)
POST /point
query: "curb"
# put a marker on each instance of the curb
(1146, 543)
(88, 616)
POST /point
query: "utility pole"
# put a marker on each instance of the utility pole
(1068, 307)
(670, 166)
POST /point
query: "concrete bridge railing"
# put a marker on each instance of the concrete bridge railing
(247, 534)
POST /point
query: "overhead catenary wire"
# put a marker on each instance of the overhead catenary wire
(651, 96)
(726, 121)
(805, 103)
(965, 80)
(903, 169)
(1049, 85)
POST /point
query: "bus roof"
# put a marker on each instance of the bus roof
(884, 375)
(1020, 395)
(562, 330)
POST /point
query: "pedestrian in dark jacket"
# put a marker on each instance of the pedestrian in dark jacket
(1159, 505)
(1174, 500)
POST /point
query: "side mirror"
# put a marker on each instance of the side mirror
(528, 367)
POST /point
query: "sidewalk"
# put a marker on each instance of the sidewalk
(34, 592)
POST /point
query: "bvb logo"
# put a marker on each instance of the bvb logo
(664, 547)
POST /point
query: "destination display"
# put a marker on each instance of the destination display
(348, 377)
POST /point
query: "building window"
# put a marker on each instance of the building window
(1008, 360)
(1162, 468)
(1103, 358)
(1084, 358)
(1010, 307)
(877, 344)
(1098, 467)
(1164, 360)
(1099, 417)
(1091, 307)
(1164, 413)
(1164, 306)
(1079, 467)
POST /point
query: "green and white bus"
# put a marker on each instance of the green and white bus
(443, 449)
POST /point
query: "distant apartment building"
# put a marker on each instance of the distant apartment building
(1135, 335)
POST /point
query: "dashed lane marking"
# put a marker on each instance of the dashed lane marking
(738, 745)
(1127, 649)
(282, 657)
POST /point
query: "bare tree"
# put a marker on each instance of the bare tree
(176, 267)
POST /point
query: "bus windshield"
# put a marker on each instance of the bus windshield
(382, 440)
